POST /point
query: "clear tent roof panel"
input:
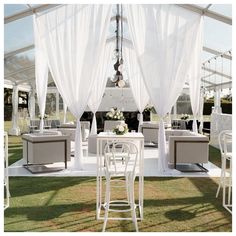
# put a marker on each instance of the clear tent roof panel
(217, 35)
(224, 9)
(10, 9)
(19, 34)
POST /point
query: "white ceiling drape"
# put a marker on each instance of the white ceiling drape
(163, 38)
(73, 38)
(100, 82)
(137, 85)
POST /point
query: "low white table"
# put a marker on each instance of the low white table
(136, 138)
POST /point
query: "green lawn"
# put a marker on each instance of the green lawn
(68, 203)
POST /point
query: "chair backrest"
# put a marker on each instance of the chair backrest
(120, 159)
(47, 122)
(225, 142)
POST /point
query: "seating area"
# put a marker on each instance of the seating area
(118, 118)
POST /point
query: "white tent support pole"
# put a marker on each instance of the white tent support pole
(15, 130)
(57, 104)
(217, 104)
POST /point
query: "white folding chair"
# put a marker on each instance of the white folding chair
(225, 144)
(120, 161)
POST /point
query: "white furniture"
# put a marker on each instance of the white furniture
(111, 124)
(45, 148)
(150, 132)
(85, 129)
(138, 140)
(120, 172)
(188, 147)
(219, 122)
(6, 177)
(225, 144)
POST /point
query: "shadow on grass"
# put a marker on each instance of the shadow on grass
(42, 213)
(14, 155)
(180, 215)
(21, 186)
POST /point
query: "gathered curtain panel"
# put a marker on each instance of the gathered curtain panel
(194, 78)
(71, 39)
(137, 85)
(163, 37)
(99, 83)
(41, 73)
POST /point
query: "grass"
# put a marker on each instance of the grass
(49, 204)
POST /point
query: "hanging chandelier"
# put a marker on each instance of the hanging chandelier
(118, 66)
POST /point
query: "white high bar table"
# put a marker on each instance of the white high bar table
(136, 138)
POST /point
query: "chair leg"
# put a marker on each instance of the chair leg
(107, 201)
(132, 203)
(221, 180)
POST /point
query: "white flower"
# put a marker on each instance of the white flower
(121, 128)
(112, 110)
(115, 116)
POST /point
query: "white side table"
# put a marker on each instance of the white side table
(6, 177)
(136, 138)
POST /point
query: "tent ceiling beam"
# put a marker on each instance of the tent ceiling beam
(216, 72)
(215, 52)
(19, 71)
(28, 12)
(208, 82)
(221, 86)
(15, 52)
(191, 7)
(207, 12)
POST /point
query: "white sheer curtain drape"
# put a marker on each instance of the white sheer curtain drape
(137, 85)
(73, 38)
(99, 84)
(195, 77)
(41, 74)
(163, 38)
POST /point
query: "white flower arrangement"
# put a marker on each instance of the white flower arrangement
(115, 114)
(184, 117)
(121, 129)
(45, 116)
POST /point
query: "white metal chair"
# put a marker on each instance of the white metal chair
(6, 177)
(225, 144)
(120, 161)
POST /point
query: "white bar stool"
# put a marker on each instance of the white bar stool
(225, 143)
(120, 161)
(6, 177)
